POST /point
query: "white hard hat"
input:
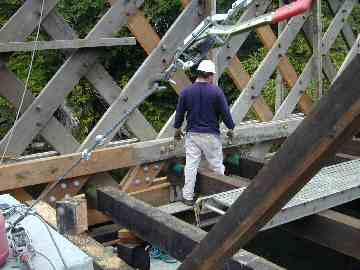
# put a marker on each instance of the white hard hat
(207, 66)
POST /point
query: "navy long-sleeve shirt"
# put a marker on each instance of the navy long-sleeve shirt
(205, 106)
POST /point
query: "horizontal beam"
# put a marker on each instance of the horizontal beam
(173, 235)
(65, 44)
(330, 229)
(46, 170)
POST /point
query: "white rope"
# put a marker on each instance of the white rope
(26, 83)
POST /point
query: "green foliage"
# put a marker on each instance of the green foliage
(122, 62)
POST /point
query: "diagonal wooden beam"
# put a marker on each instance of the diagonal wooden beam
(298, 160)
(28, 12)
(267, 67)
(293, 97)
(41, 110)
(99, 78)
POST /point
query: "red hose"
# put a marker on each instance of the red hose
(291, 10)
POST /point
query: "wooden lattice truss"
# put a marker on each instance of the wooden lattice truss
(37, 114)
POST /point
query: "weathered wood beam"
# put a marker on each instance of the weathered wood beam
(29, 10)
(267, 67)
(173, 235)
(107, 159)
(300, 157)
(211, 183)
(65, 44)
(41, 110)
(98, 77)
(296, 94)
(330, 229)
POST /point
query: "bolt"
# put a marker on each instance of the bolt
(67, 196)
(137, 182)
(163, 48)
(125, 99)
(147, 179)
(63, 185)
(38, 124)
(156, 167)
(76, 183)
(38, 108)
(52, 199)
(146, 168)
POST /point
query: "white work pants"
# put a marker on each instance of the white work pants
(197, 144)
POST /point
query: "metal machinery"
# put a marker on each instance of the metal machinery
(34, 245)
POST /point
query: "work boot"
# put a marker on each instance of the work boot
(188, 202)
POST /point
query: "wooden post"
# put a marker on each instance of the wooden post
(71, 216)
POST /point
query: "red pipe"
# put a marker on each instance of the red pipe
(291, 10)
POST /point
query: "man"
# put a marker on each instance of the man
(205, 106)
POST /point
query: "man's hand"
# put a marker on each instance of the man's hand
(230, 135)
(178, 134)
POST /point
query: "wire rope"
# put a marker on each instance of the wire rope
(33, 54)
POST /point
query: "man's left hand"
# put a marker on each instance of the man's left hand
(178, 134)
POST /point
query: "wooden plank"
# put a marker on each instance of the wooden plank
(42, 109)
(308, 73)
(299, 159)
(55, 133)
(65, 44)
(266, 69)
(102, 258)
(241, 78)
(107, 159)
(173, 235)
(330, 229)
(212, 183)
(28, 12)
(268, 38)
(346, 31)
(99, 78)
